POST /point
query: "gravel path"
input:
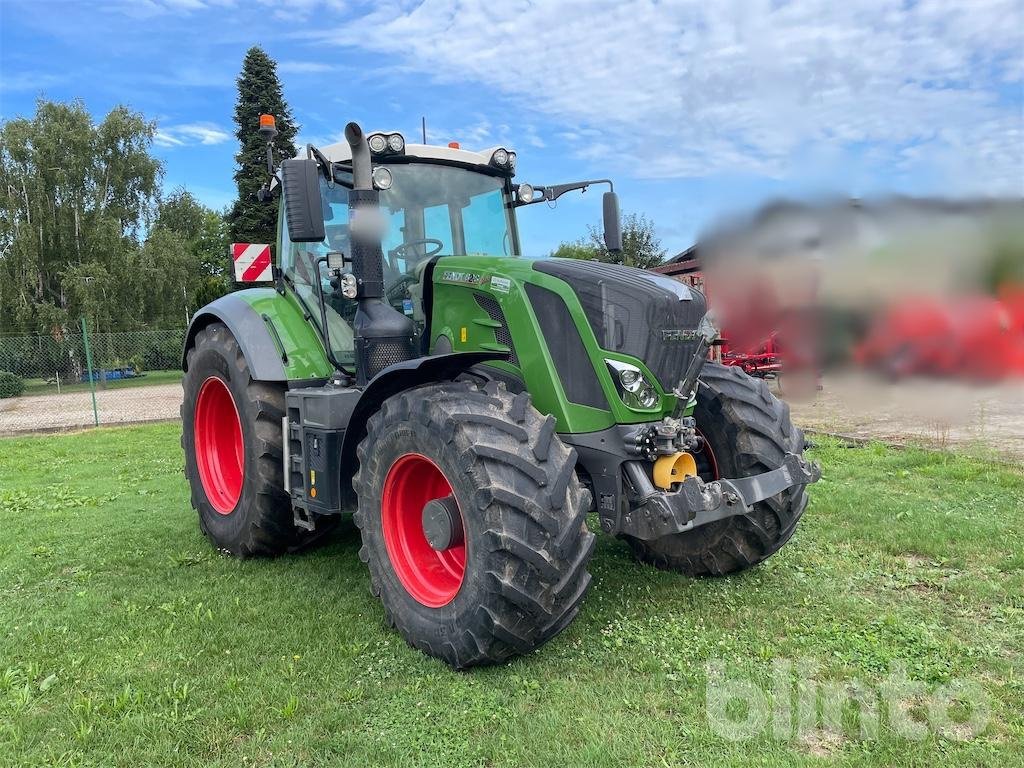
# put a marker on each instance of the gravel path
(940, 414)
(70, 411)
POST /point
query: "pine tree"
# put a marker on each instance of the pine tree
(259, 92)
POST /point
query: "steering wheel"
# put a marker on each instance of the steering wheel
(399, 250)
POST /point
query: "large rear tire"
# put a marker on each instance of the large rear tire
(231, 434)
(511, 573)
(747, 431)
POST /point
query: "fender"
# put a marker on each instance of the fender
(279, 344)
(399, 378)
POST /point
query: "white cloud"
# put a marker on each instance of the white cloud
(190, 134)
(303, 67)
(692, 88)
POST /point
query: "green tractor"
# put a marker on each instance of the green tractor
(472, 406)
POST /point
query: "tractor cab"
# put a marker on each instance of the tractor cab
(433, 202)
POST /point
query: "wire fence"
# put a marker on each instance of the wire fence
(82, 379)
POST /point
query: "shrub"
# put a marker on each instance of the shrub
(11, 384)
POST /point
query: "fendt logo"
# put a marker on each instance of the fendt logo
(679, 334)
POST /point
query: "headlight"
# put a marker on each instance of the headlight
(348, 286)
(382, 178)
(525, 193)
(633, 388)
(647, 396)
(377, 142)
(500, 158)
(511, 159)
(396, 143)
(631, 379)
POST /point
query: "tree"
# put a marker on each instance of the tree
(641, 248)
(259, 92)
(578, 249)
(186, 256)
(74, 198)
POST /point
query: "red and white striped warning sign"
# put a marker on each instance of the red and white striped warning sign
(252, 262)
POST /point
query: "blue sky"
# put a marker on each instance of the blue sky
(696, 109)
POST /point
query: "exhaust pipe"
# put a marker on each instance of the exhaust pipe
(362, 170)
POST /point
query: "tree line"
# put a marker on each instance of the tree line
(87, 231)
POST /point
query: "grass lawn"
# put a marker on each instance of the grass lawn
(147, 379)
(126, 640)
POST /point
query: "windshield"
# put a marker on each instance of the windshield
(430, 210)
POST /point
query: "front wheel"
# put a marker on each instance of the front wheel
(746, 431)
(472, 522)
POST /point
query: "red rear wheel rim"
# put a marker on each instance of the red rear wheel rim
(707, 464)
(220, 451)
(431, 577)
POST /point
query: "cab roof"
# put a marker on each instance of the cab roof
(341, 152)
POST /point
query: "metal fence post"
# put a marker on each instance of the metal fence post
(92, 380)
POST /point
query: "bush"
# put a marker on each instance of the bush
(11, 384)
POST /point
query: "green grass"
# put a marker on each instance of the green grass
(126, 640)
(147, 379)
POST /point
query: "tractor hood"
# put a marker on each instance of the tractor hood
(641, 314)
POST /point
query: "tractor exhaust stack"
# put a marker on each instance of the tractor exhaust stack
(383, 335)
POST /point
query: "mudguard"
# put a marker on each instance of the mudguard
(400, 377)
(279, 344)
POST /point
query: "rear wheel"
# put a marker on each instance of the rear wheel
(231, 434)
(472, 521)
(746, 431)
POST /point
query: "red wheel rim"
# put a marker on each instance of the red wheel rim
(433, 578)
(220, 452)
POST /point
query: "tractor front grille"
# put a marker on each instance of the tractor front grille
(641, 314)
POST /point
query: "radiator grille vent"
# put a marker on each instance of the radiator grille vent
(501, 335)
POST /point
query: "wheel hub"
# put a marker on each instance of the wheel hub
(442, 523)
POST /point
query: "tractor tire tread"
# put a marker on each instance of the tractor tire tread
(533, 549)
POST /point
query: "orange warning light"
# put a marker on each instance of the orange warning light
(267, 121)
(453, 145)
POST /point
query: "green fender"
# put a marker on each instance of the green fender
(278, 342)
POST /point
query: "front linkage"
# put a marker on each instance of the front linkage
(662, 455)
(696, 503)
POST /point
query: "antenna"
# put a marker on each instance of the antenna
(424, 121)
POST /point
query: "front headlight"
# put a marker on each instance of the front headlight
(647, 396)
(631, 379)
(633, 388)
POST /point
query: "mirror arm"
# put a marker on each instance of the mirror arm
(551, 193)
(554, 192)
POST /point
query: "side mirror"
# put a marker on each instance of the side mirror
(612, 223)
(300, 180)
